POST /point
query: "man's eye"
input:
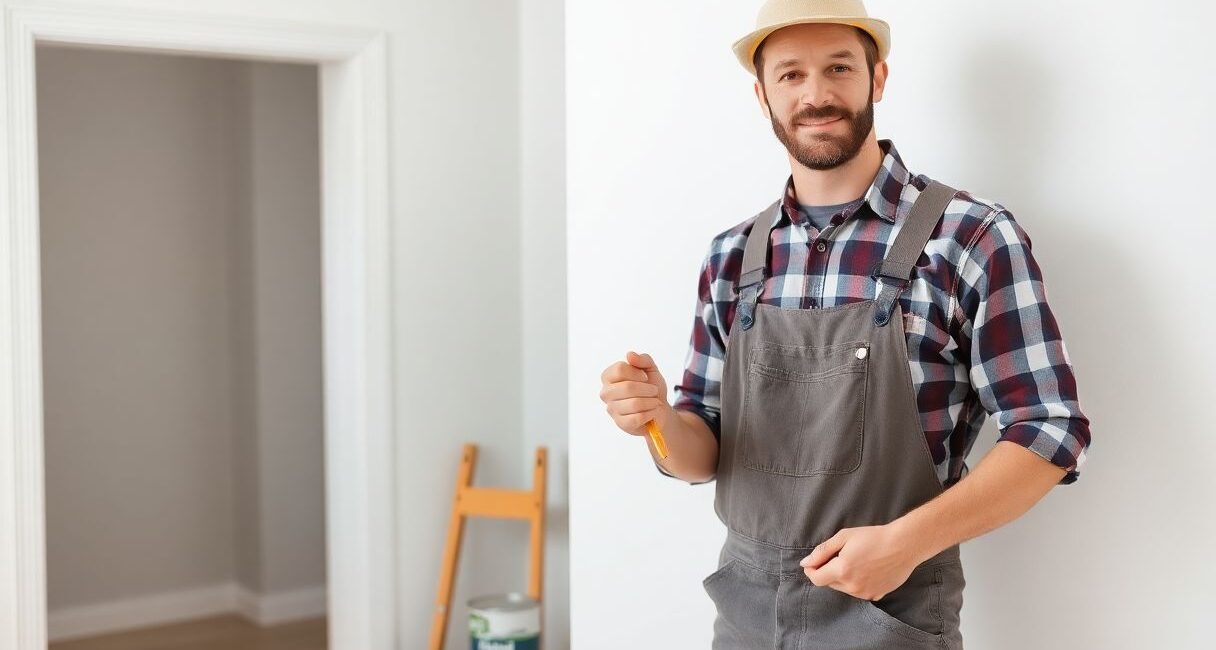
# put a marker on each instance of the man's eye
(786, 75)
(842, 67)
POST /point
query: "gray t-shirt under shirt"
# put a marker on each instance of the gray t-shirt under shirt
(820, 215)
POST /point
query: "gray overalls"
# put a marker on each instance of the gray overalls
(820, 431)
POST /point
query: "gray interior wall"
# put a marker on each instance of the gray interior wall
(285, 211)
(138, 190)
(243, 296)
(181, 324)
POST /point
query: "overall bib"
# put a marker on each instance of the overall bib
(820, 431)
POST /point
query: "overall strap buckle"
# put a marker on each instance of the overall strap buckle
(892, 286)
(746, 309)
(751, 274)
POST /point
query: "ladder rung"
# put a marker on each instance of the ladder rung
(490, 502)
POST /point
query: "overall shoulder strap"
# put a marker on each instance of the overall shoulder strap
(755, 254)
(896, 269)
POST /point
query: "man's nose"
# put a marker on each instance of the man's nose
(815, 94)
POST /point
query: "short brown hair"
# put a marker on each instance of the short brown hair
(867, 43)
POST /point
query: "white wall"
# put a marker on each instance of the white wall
(543, 223)
(1092, 124)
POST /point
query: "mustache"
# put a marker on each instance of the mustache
(820, 114)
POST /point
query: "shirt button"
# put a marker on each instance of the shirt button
(861, 353)
(821, 247)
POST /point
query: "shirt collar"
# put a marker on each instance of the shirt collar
(884, 194)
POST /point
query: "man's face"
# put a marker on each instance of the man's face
(818, 93)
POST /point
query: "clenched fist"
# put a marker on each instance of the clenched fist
(634, 392)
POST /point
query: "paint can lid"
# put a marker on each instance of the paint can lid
(513, 602)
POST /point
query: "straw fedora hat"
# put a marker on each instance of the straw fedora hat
(776, 14)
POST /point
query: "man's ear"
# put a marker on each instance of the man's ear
(763, 101)
(880, 80)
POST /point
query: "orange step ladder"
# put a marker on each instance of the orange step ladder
(491, 502)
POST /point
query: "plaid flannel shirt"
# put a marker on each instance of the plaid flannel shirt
(981, 337)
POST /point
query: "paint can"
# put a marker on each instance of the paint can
(504, 622)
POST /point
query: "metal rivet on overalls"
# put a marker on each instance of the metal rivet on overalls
(861, 353)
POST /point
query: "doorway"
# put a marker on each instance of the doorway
(354, 279)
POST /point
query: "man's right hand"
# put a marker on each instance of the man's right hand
(634, 393)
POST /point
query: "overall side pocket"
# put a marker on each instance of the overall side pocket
(745, 601)
(914, 610)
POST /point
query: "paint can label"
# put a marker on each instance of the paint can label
(508, 622)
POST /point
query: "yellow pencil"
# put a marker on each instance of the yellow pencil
(656, 437)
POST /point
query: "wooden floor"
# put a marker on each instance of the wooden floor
(218, 633)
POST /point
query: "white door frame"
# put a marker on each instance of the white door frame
(355, 291)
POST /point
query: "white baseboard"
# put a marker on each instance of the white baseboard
(281, 607)
(161, 609)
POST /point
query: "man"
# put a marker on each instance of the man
(848, 343)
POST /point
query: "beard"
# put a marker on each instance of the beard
(827, 151)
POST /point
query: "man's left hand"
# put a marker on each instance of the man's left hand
(867, 562)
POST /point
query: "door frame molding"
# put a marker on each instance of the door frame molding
(356, 291)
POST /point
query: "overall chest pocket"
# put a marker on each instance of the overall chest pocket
(804, 409)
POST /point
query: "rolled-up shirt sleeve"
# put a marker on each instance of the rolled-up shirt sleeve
(1019, 366)
(699, 389)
